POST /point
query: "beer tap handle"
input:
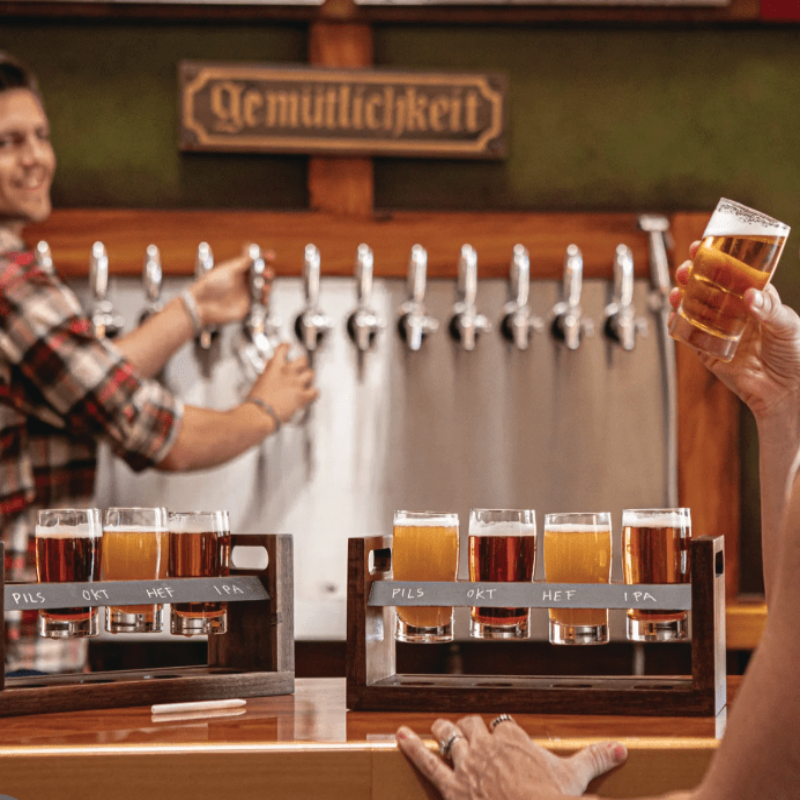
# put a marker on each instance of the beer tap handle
(203, 264)
(311, 275)
(414, 324)
(621, 324)
(518, 322)
(364, 324)
(105, 322)
(568, 323)
(466, 323)
(312, 326)
(152, 278)
(657, 229)
(417, 274)
(44, 258)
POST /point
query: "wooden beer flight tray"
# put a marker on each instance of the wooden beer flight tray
(254, 658)
(374, 685)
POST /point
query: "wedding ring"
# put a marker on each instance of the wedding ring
(500, 719)
(447, 745)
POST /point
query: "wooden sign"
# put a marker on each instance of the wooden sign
(259, 108)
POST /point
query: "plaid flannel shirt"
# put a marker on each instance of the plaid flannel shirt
(61, 391)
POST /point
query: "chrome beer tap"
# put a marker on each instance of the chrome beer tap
(152, 277)
(260, 331)
(311, 326)
(621, 323)
(467, 324)
(106, 323)
(364, 324)
(414, 323)
(518, 321)
(568, 323)
(203, 264)
(44, 258)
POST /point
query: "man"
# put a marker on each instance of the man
(62, 390)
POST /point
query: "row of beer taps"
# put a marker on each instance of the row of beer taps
(260, 330)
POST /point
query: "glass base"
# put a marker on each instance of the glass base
(669, 630)
(683, 330)
(403, 632)
(577, 634)
(489, 630)
(68, 628)
(197, 626)
(124, 622)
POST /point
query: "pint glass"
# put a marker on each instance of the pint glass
(655, 549)
(68, 548)
(577, 549)
(424, 548)
(740, 249)
(199, 547)
(135, 547)
(502, 547)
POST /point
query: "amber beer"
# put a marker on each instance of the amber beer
(577, 549)
(135, 547)
(740, 250)
(502, 547)
(199, 547)
(68, 549)
(656, 549)
(424, 548)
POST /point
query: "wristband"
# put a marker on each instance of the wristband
(190, 304)
(267, 409)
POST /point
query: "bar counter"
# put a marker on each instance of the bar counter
(305, 745)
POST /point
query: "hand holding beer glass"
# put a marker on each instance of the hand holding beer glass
(577, 549)
(199, 547)
(424, 548)
(502, 547)
(68, 548)
(655, 549)
(135, 547)
(741, 248)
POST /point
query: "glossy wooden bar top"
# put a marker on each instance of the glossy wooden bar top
(302, 745)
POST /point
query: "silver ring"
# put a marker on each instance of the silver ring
(500, 719)
(447, 745)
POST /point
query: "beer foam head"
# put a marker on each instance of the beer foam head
(199, 522)
(138, 529)
(83, 530)
(424, 519)
(733, 219)
(655, 518)
(574, 527)
(502, 528)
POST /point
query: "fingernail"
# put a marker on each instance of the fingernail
(402, 733)
(757, 300)
(619, 752)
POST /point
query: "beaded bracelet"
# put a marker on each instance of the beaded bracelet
(267, 409)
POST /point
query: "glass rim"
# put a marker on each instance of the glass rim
(681, 514)
(566, 514)
(760, 214)
(514, 519)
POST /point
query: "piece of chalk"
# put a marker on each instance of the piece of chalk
(203, 705)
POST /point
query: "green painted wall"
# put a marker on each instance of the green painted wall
(632, 118)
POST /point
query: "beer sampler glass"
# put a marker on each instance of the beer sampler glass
(135, 547)
(502, 547)
(424, 548)
(68, 548)
(655, 549)
(577, 549)
(199, 547)
(740, 249)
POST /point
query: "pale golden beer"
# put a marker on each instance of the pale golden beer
(502, 547)
(740, 250)
(424, 548)
(68, 549)
(656, 549)
(135, 547)
(199, 547)
(577, 549)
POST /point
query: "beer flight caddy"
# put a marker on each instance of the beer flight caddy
(134, 561)
(404, 587)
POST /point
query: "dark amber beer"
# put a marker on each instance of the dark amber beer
(68, 549)
(740, 250)
(199, 547)
(656, 549)
(502, 547)
(424, 548)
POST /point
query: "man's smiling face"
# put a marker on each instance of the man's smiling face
(27, 160)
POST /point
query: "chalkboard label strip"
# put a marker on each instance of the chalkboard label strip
(24, 596)
(673, 597)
